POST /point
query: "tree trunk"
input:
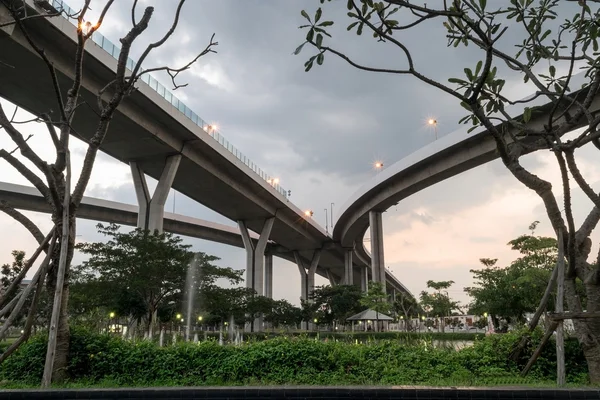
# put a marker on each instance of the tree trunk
(588, 331)
(59, 373)
(59, 370)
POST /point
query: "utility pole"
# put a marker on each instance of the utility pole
(331, 216)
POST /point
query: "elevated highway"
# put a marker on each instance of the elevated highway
(29, 199)
(448, 156)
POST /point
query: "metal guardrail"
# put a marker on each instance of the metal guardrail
(114, 51)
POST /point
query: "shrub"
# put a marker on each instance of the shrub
(98, 359)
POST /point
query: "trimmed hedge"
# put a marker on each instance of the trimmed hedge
(364, 336)
(95, 359)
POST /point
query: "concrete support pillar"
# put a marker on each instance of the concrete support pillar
(255, 257)
(307, 276)
(364, 279)
(152, 207)
(348, 266)
(269, 275)
(332, 280)
(377, 259)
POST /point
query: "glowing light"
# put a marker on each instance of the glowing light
(86, 27)
(308, 213)
(178, 316)
(212, 127)
(111, 315)
(378, 165)
(200, 318)
(432, 121)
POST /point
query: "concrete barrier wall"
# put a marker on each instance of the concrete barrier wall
(296, 393)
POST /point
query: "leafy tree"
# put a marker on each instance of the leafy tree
(222, 303)
(282, 313)
(152, 267)
(376, 300)
(407, 307)
(554, 39)
(438, 304)
(510, 292)
(337, 302)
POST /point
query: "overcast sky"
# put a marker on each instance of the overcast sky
(320, 133)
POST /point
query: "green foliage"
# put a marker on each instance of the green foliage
(512, 291)
(100, 358)
(337, 302)
(8, 272)
(438, 304)
(151, 267)
(146, 273)
(375, 298)
(407, 308)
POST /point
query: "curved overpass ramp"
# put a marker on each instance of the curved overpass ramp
(448, 156)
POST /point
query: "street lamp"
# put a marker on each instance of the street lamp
(211, 129)
(378, 165)
(111, 315)
(178, 316)
(433, 122)
(86, 27)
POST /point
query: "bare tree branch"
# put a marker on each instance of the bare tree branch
(29, 175)
(25, 294)
(26, 222)
(174, 72)
(19, 278)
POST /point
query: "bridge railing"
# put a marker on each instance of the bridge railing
(114, 51)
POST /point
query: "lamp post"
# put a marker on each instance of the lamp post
(331, 216)
(316, 324)
(111, 315)
(200, 321)
(485, 315)
(326, 220)
(433, 122)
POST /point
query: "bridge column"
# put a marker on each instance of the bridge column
(269, 275)
(307, 277)
(255, 257)
(364, 279)
(377, 261)
(152, 207)
(348, 270)
(332, 280)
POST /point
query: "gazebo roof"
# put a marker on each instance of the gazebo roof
(369, 314)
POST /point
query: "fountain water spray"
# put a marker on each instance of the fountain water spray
(231, 328)
(190, 290)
